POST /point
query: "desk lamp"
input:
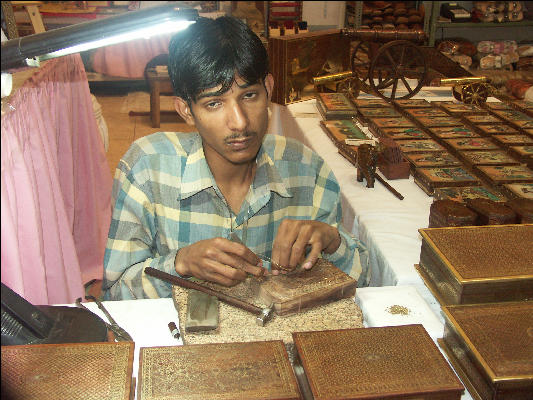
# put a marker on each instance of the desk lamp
(30, 50)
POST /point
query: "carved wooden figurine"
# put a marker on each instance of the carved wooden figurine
(367, 156)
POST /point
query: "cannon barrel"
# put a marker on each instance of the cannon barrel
(339, 76)
(463, 81)
(375, 35)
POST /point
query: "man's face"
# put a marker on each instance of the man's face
(232, 124)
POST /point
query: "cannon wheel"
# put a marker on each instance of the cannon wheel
(394, 63)
(473, 93)
(361, 60)
(349, 86)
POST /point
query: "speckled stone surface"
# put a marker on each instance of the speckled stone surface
(236, 325)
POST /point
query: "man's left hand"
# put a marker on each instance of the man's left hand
(294, 236)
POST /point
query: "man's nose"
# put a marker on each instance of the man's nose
(237, 118)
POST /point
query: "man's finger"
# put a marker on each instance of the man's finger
(219, 268)
(312, 257)
(252, 269)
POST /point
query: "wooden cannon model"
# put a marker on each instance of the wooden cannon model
(388, 59)
(469, 90)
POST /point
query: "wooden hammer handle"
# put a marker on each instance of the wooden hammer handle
(175, 280)
(389, 187)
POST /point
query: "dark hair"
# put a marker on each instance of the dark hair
(211, 52)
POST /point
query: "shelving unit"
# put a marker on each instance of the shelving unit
(434, 23)
(354, 11)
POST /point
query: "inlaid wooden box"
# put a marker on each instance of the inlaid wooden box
(518, 190)
(430, 121)
(420, 146)
(512, 115)
(490, 347)
(524, 106)
(481, 119)
(450, 213)
(343, 131)
(217, 371)
(505, 141)
(393, 362)
(458, 109)
(333, 106)
(491, 212)
(474, 158)
(363, 114)
(451, 132)
(74, 371)
(497, 105)
(522, 153)
(480, 264)
(411, 103)
(403, 133)
(370, 102)
(375, 124)
(495, 129)
(296, 59)
(428, 179)
(500, 174)
(424, 112)
(429, 160)
(461, 144)
(469, 192)
(523, 209)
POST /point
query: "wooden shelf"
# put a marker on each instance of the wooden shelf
(441, 24)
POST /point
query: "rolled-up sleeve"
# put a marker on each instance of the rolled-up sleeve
(350, 256)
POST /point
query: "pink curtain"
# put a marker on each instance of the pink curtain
(56, 186)
(129, 59)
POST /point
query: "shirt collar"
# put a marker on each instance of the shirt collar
(197, 175)
(267, 176)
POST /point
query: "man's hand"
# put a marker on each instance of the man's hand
(218, 260)
(294, 236)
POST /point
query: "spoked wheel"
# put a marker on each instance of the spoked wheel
(473, 93)
(399, 65)
(361, 60)
(350, 86)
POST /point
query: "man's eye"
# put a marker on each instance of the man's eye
(213, 104)
(250, 95)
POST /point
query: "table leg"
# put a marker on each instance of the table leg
(155, 101)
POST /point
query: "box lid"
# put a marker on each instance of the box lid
(251, 370)
(484, 253)
(374, 363)
(499, 336)
(88, 371)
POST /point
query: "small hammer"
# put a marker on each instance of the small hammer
(263, 314)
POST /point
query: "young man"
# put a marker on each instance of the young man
(228, 200)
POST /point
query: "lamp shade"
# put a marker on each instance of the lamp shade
(29, 50)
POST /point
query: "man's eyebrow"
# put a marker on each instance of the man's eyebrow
(220, 92)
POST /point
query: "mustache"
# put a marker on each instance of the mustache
(241, 135)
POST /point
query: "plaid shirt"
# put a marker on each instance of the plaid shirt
(166, 198)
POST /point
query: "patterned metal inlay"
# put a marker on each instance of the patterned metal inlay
(388, 360)
(486, 251)
(255, 370)
(502, 333)
(84, 371)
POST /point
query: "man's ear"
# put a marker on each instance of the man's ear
(269, 85)
(183, 109)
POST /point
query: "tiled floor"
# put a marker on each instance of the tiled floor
(123, 128)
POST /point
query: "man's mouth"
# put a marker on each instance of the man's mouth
(240, 142)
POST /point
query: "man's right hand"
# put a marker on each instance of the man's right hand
(218, 260)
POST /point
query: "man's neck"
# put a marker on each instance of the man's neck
(233, 180)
